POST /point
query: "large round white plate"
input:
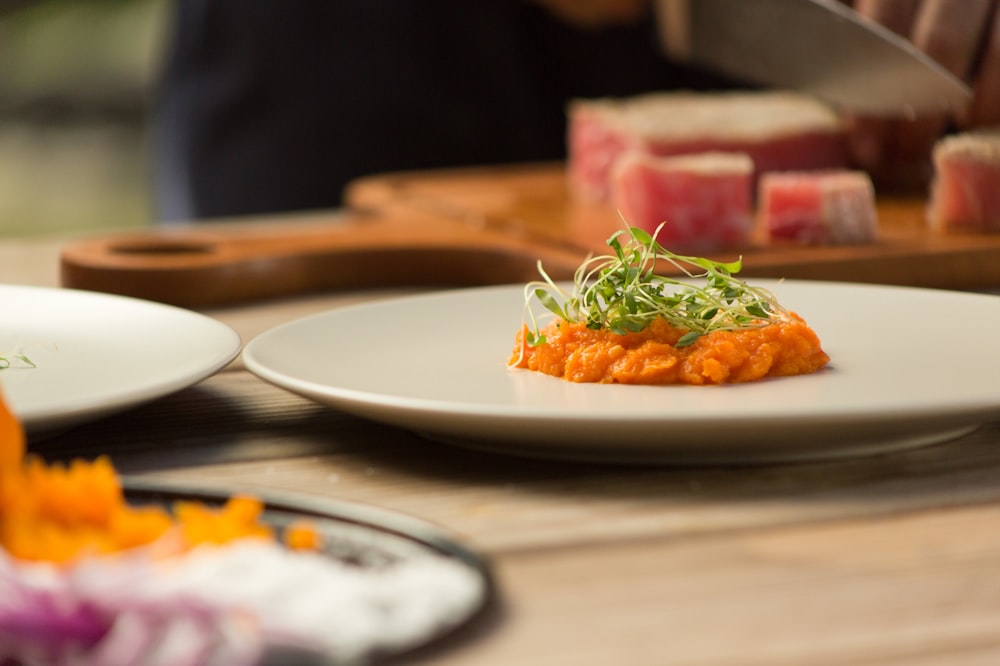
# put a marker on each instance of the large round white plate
(909, 367)
(95, 354)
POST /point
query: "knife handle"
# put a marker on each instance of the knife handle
(673, 21)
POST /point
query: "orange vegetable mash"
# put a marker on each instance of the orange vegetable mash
(579, 354)
(60, 513)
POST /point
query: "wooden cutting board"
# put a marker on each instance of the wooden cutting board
(486, 225)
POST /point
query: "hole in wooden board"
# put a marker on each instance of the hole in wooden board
(162, 248)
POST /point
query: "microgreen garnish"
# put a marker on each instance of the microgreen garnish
(7, 360)
(620, 292)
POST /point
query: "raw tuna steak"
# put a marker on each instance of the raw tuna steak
(705, 200)
(965, 193)
(818, 207)
(778, 130)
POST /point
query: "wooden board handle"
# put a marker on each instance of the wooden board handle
(229, 264)
(475, 226)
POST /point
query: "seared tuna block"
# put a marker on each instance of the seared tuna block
(778, 130)
(818, 207)
(965, 193)
(705, 200)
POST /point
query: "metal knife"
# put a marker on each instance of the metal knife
(819, 47)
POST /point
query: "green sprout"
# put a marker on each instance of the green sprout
(7, 360)
(621, 292)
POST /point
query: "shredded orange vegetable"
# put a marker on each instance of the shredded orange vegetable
(237, 519)
(301, 535)
(60, 513)
(11, 440)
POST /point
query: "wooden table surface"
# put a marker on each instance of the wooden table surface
(890, 559)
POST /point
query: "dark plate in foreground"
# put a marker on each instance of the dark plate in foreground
(362, 536)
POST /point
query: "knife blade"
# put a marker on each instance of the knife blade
(819, 47)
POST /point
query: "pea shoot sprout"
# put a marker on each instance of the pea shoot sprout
(6, 360)
(622, 293)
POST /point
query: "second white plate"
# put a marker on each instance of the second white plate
(909, 367)
(95, 354)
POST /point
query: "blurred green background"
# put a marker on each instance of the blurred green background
(76, 79)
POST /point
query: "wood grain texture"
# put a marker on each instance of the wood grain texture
(489, 225)
(534, 201)
(874, 592)
(239, 263)
(236, 428)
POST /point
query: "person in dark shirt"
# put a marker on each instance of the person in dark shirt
(275, 106)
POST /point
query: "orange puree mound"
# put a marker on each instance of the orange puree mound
(59, 513)
(579, 354)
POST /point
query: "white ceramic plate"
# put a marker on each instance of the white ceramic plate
(95, 354)
(909, 367)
